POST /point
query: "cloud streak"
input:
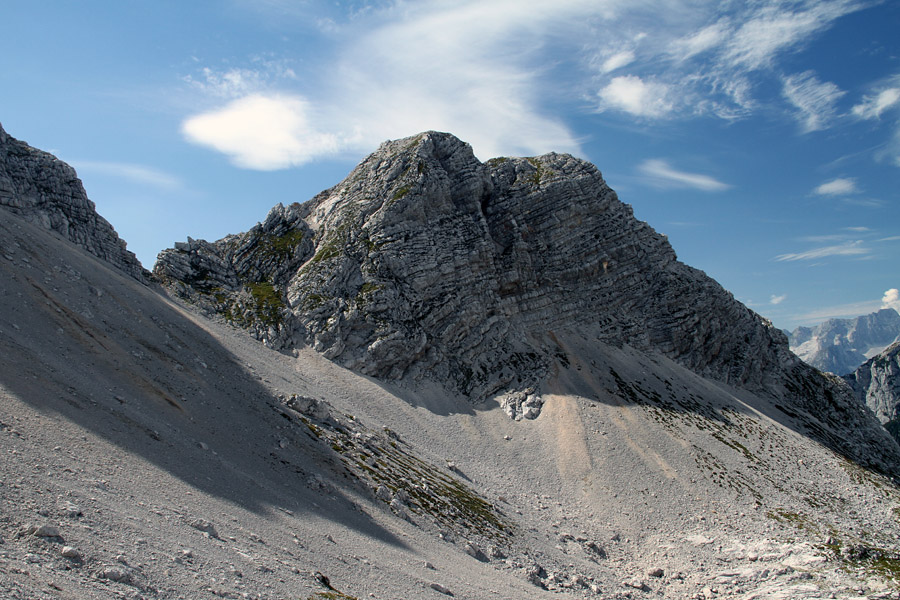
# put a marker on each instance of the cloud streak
(659, 173)
(854, 248)
(139, 174)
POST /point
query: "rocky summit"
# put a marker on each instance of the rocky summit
(44, 190)
(425, 263)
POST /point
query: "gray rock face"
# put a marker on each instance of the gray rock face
(46, 191)
(876, 383)
(426, 263)
(841, 345)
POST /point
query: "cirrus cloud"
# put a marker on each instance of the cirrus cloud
(659, 173)
(854, 248)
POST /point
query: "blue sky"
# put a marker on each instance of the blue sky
(763, 137)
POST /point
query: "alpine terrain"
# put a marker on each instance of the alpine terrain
(841, 345)
(439, 378)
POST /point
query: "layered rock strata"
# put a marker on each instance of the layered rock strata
(876, 384)
(46, 191)
(425, 262)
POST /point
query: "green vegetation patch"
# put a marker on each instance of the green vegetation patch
(282, 246)
(268, 301)
(401, 192)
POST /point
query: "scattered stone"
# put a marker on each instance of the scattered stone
(71, 553)
(308, 406)
(595, 549)
(475, 552)
(636, 584)
(656, 572)
(439, 588)
(383, 493)
(47, 531)
(322, 579)
(206, 527)
(71, 510)
(116, 574)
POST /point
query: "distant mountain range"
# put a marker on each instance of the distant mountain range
(841, 345)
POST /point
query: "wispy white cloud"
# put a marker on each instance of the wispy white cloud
(854, 248)
(659, 173)
(633, 95)
(139, 174)
(772, 28)
(841, 186)
(814, 99)
(617, 61)
(872, 107)
(773, 299)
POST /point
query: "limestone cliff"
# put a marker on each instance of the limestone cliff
(426, 263)
(877, 384)
(46, 191)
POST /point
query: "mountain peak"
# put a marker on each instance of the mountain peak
(46, 191)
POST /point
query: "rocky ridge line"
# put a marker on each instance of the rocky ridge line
(46, 191)
(426, 263)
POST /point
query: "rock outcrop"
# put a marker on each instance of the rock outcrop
(426, 263)
(876, 384)
(46, 191)
(841, 345)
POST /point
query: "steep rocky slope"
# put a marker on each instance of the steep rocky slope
(876, 384)
(841, 345)
(46, 191)
(425, 263)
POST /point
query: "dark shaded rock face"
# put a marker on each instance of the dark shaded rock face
(841, 345)
(426, 263)
(876, 384)
(46, 191)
